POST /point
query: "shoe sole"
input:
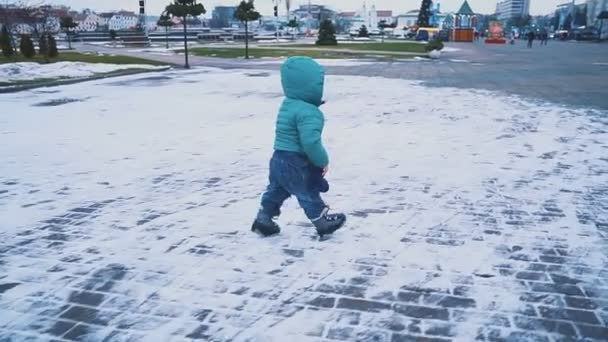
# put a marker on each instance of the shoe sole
(256, 229)
(332, 231)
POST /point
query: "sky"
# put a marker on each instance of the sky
(537, 7)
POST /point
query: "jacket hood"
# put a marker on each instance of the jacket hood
(303, 79)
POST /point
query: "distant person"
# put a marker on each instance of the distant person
(531, 37)
(300, 162)
(545, 40)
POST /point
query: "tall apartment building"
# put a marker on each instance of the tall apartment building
(508, 9)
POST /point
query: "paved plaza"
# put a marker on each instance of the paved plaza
(477, 203)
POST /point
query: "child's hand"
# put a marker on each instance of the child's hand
(325, 170)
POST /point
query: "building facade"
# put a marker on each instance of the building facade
(408, 19)
(509, 9)
(123, 21)
(87, 23)
(223, 16)
(594, 8)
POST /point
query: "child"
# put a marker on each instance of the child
(300, 162)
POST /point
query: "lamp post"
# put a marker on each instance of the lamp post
(276, 18)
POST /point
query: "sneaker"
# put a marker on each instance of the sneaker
(265, 226)
(329, 223)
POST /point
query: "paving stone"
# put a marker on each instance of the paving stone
(569, 315)
(552, 259)
(462, 291)
(121, 336)
(422, 312)
(457, 302)
(345, 290)
(527, 336)
(581, 303)
(532, 276)
(341, 333)
(560, 279)
(59, 328)
(414, 338)
(441, 329)
(82, 332)
(372, 336)
(551, 326)
(488, 319)
(362, 305)
(571, 290)
(88, 315)
(409, 297)
(199, 333)
(543, 298)
(86, 298)
(593, 332)
(349, 317)
(323, 301)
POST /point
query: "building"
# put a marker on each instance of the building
(353, 20)
(123, 20)
(509, 9)
(104, 20)
(594, 8)
(408, 19)
(313, 12)
(87, 22)
(223, 16)
(386, 16)
(310, 16)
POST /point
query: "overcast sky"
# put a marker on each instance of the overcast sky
(156, 6)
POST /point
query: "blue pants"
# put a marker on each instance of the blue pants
(292, 174)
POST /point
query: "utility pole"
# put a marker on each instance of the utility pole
(276, 18)
(142, 17)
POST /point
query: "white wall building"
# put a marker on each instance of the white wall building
(386, 16)
(87, 23)
(509, 9)
(408, 20)
(123, 21)
(104, 19)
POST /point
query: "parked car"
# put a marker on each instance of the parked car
(585, 35)
(422, 35)
(443, 35)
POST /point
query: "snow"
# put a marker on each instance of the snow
(30, 71)
(420, 171)
(270, 40)
(160, 51)
(459, 61)
(450, 49)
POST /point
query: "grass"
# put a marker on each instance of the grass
(259, 53)
(79, 57)
(388, 47)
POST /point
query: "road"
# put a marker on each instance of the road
(566, 73)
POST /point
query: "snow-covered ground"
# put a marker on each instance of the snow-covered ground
(125, 207)
(23, 71)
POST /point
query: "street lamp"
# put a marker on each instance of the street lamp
(276, 17)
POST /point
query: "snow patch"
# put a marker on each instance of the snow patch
(30, 71)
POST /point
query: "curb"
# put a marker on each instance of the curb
(45, 84)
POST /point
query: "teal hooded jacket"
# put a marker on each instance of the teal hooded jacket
(300, 123)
